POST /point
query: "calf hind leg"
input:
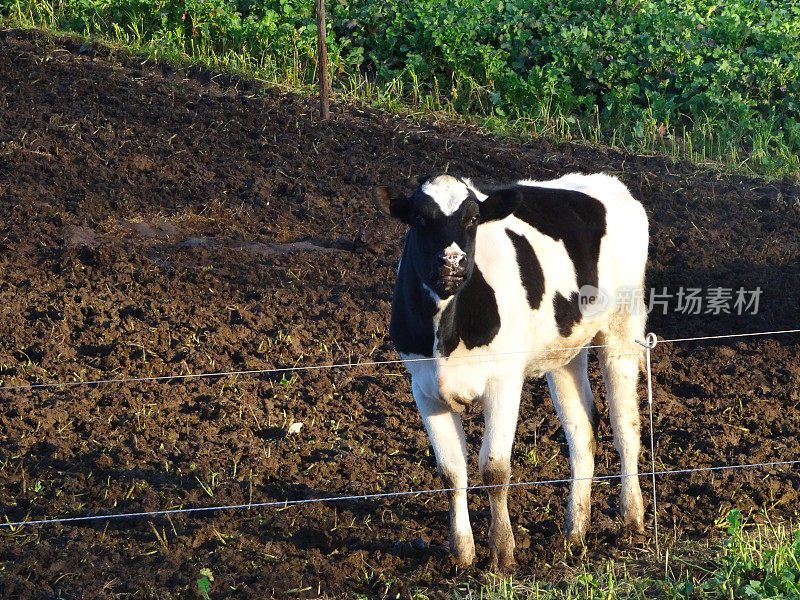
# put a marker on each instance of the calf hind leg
(574, 404)
(619, 362)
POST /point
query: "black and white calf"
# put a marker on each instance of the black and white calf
(491, 285)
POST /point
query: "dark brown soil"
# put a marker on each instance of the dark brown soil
(158, 221)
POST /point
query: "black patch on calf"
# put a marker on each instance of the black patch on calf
(426, 206)
(567, 312)
(393, 203)
(579, 221)
(448, 330)
(573, 217)
(530, 271)
(472, 316)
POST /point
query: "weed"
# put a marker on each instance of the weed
(204, 583)
(528, 455)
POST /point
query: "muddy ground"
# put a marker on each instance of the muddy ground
(156, 220)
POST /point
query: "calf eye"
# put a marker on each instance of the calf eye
(473, 221)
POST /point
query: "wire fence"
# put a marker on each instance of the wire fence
(376, 496)
(649, 344)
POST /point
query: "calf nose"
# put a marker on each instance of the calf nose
(452, 263)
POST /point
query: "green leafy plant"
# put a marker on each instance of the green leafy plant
(204, 583)
(749, 571)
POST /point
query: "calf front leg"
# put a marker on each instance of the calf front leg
(447, 438)
(574, 403)
(500, 409)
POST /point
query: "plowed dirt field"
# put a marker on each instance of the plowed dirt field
(157, 221)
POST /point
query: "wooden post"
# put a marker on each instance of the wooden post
(322, 58)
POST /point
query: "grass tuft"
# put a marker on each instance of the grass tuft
(756, 561)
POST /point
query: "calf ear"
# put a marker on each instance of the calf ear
(393, 203)
(499, 204)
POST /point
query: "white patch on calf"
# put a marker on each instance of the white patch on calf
(454, 250)
(448, 192)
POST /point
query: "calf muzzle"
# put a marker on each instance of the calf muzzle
(452, 265)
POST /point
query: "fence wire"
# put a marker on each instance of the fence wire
(375, 496)
(348, 365)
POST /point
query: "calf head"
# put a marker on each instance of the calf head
(443, 215)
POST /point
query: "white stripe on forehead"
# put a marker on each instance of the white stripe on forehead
(448, 192)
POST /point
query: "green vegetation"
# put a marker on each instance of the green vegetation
(701, 79)
(204, 583)
(753, 563)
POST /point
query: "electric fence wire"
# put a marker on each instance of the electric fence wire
(364, 497)
(494, 356)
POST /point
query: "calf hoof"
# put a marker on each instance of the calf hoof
(502, 561)
(575, 532)
(633, 523)
(462, 550)
(633, 511)
(575, 538)
(501, 548)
